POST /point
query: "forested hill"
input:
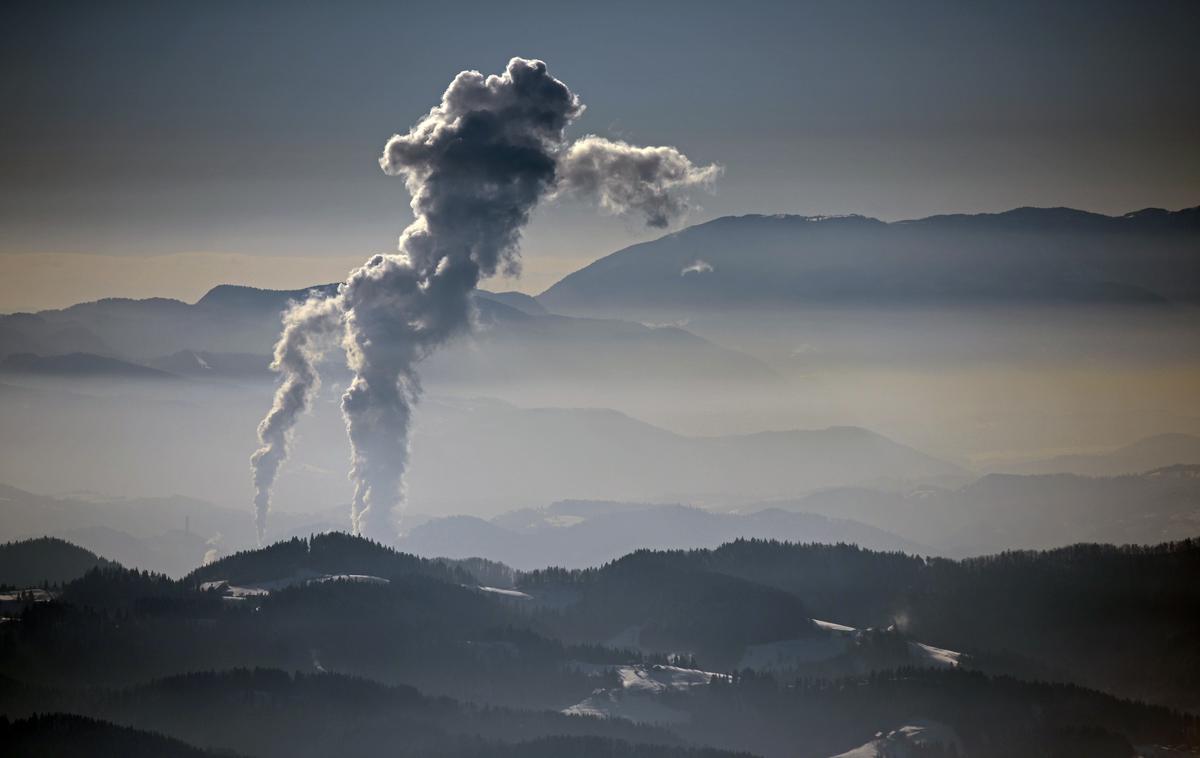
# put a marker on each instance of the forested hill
(46, 560)
(336, 644)
(1055, 614)
(333, 553)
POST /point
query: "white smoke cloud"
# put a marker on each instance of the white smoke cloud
(625, 179)
(308, 329)
(214, 549)
(476, 166)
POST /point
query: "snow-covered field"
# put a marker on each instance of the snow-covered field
(935, 657)
(899, 742)
(636, 698)
(832, 641)
(514, 594)
(236, 592)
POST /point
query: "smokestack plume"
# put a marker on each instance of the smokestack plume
(308, 328)
(624, 179)
(476, 166)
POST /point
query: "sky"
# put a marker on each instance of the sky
(162, 148)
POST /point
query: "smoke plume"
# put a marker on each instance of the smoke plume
(307, 331)
(625, 179)
(476, 166)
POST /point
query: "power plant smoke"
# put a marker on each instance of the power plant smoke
(476, 166)
(307, 330)
(626, 179)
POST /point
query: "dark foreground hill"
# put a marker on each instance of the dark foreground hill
(336, 644)
(65, 735)
(1120, 619)
(270, 713)
(46, 560)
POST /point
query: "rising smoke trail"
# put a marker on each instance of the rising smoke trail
(476, 166)
(307, 330)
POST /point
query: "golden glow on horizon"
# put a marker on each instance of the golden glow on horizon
(39, 281)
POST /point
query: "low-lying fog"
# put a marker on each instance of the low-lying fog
(729, 414)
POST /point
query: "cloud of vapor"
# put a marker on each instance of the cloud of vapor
(308, 329)
(476, 166)
(214, 549)
(625, 179)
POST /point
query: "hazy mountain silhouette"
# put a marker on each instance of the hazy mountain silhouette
(116, 445)
(1026, 255)
(167, 534)
(78, 365)
(219, 335)
(576, 534)
(1006, 511)
(603, 454)
(27, 333)
(519, 300)
(1153, 452)
(206, 365)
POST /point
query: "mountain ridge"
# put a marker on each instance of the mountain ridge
(1065, 255)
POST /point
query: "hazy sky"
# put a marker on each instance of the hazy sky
(253, 128)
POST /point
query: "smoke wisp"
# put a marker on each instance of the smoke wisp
(475, 166)
(308, 329)
(653, 182)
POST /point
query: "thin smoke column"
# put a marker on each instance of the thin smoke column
(307, 329)
(476, 166)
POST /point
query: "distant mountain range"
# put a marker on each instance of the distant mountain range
(1026, 255)
(1005, 511)
(578, 534)
(1153, 452)
(187, 423)
(229, 334)
(170, 534)
(195, 438)
(78, 365)
(994, 513)
(602, 454)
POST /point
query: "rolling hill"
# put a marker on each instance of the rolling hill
(1157, 451)
(29, 563)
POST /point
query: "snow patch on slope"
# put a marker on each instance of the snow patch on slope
(900, 742)
(934, 656)
(259, 589)
(833, 640)
(516, 594)
(637, 697)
